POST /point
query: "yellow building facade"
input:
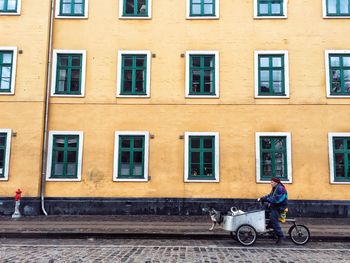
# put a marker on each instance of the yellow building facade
(266, 75)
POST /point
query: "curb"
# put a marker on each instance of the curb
(135, 235)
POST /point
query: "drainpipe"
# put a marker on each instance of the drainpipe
(46, 112)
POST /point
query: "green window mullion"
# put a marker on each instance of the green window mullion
(133, 73)
(270, 72)
(273, 160)
(132, 148)
(201, 75)
(201, 157)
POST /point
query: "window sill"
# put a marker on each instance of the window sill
(270, 17)
(202, 96)
(336, 17)
(288, 181)
(135, 17)
(202, 18)
(130, 179)
(134, 96)
(68, 95)
(71, 17)
(63, 179)
(337, 96)
(271, 97)
(10, 14)
(189, 180)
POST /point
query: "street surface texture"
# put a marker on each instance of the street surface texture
(151, 251)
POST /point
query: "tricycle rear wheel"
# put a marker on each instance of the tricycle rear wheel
(299, 234)
(246, 235)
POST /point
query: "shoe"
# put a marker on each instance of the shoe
(279, 241)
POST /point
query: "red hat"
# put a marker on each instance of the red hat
(276, 180)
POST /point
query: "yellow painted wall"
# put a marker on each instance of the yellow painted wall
(237, 115)
(23, 111)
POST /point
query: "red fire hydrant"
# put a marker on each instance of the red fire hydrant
(18, 195)
(17, 213)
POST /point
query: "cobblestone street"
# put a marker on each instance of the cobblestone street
(128, 250)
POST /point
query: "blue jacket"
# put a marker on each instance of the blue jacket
(278, 198)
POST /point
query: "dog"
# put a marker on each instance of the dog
(216, 217)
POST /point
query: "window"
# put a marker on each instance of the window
(10, 7)
(72, 9)
(8, 57)
(338, 73)
(339, 157)
(202, 74)
(135, 9)
(134, 74)
(202, 9)
(336, 8)
(273, 155)
(5, 144)
(271, 74)
(64, 156)
(270, 8)
(201, 157)
(131, 156)
(68, 76)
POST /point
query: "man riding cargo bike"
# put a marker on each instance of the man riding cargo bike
(277, 207)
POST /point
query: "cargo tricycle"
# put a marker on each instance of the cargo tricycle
(246, 227)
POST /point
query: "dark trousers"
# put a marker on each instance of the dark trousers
(274, 215)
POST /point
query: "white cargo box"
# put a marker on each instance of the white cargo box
(254, 218)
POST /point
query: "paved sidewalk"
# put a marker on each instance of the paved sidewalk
(148, 226)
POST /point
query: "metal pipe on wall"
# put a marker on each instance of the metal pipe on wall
(46, 111)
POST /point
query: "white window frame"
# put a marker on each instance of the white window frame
(289, 154)
(14, 69)
(324, 10)
(80, 155)
(217, 157)
(286, 72)
(217, 11)
(148, 69)
(17, 13)
(54, 72)
(285, 11)
(7, 153)
(86, 13)
(330, 152)
(216, 72)
(121, 8)
(328, 76)
(116, 155)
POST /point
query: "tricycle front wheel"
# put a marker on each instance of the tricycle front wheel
(299, 234)
(246, 235)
